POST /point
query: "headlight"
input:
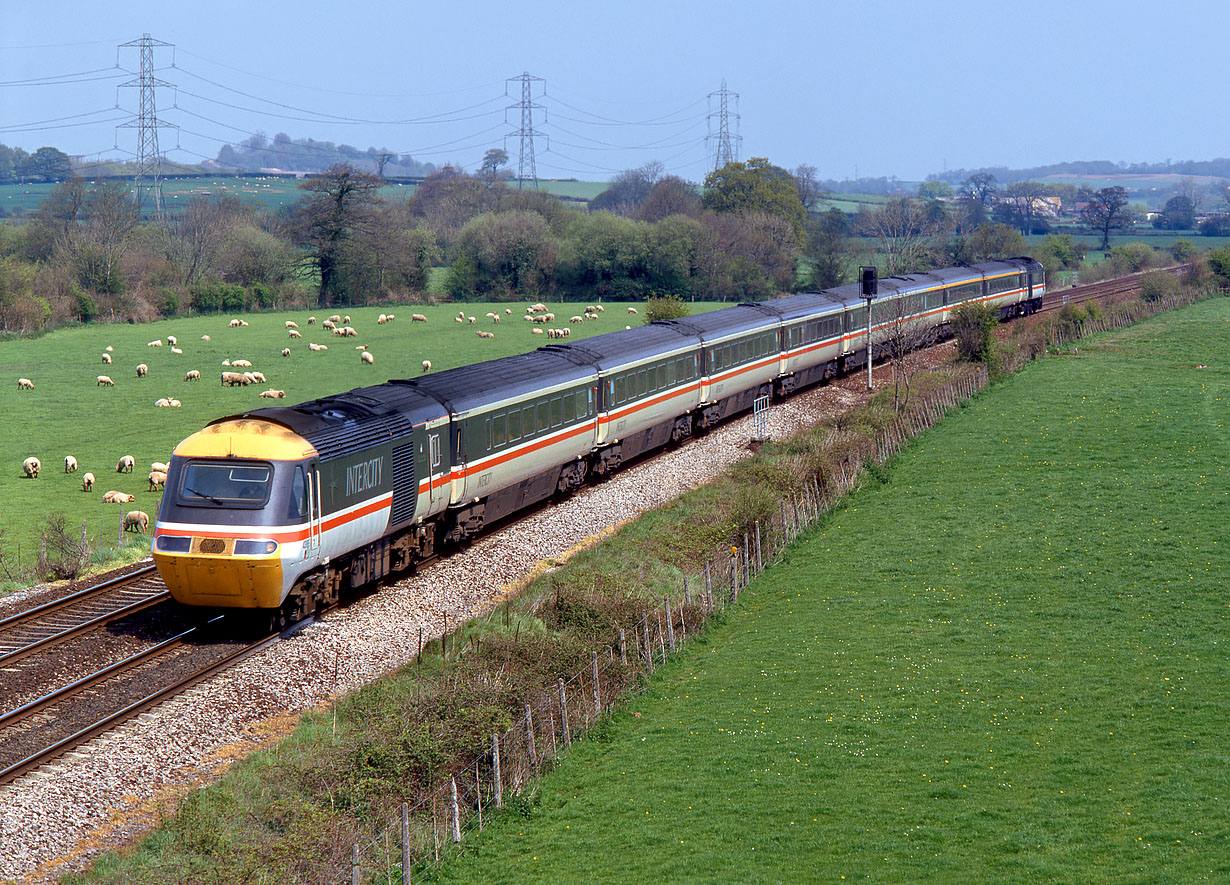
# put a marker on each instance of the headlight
(172, 544)
(259, 547)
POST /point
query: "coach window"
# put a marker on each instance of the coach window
(570, 411)
(544, 416)
(488, 428)
(514, 425)
(620, 393)
(557, 411)
(670, 367)
(498, 425)
(527, 421)
(661, 385)
(585, 402)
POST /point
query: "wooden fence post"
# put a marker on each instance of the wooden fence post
(529, 736)
(648, 645)
(670, 620)
(495, 770)
(623, 647)
(354, 865)
(405, 844)
(563, 713)
(456, 811)
(759, 558)
(598, 698)
(708, 586)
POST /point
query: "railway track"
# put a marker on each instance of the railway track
(63, 719)
(1130, 284)
(44, 626)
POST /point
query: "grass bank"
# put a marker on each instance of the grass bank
(1003, 659)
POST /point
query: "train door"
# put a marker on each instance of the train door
(434, 465)
(311, 550)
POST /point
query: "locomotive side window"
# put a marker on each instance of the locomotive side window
(298, 496)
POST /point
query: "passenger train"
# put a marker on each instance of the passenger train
(281, 509)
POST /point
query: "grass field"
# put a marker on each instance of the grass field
(68, 414)
(1003, 660)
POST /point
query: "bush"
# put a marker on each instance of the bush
(663, 306)
(974, 326)
(1157, 284)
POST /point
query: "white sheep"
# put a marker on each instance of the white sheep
(114, 497)
(142, 370)
(311, 321)
(243, 364)
(536, 331)
(104, 381)
(126, 464)
(632, 310)
(175, 404)
(206, 338)
(136, 520)
(367, 358)
(259, 377)
(599, 308)
(87, 482)
(176, 350)
(273, 394)
(389, 318)
(285, 351)
(576, 319)
(328, 324)
(193, 375)
(157, 479)
(248, 378)
(106, 358)
(318, 346)
(291, 324)
(417, 318)
(234, 324)
(471, 320)
(346, 320)
(381, 320)
(293, 333)
(426, 365)
(459, 319)
(32, 466)
(335, 318)
(230, 379)
(508, 311)
(226, 362)
(25, 384)
(360, 347)
(109, 348)
(158, 467)
(162, 403)
(157, 343)
(172, 340)
(70, 464)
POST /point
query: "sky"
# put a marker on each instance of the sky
(870, 88)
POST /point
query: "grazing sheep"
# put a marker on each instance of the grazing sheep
(259, 377)
(172, 340)
(230, 379)
(142, 370)
(336, 318)
(176, 350)
(87, 482)
(367, 357)
(249, 378)
(285, 351)
(157, 343)
(346, 320)
(496, 319)
(114, 497)
(105, 381)
(234, 324)
(426, 365)
(599, 308)
(381, 320)
(490, 314)
(291, 324)
(158, 467)
(536, 331)
(243, 364)
(226, 362)
(136, 520)
(273, 394)
(243, 323)
(508, 311)
(311, 321)
(162, 403)
(564, 333)
(632, 310)
(206, 338)
(32, 466)
(157, 479)
(550, 317)
(193, 375)
(25, 384)
(462, 314)
(576, 319)
(126, 464)
(471, 320)
(318, 347)
(528, 318)
(70, 464)
(360, 347)
(328, 324)
(417, 318)
(292, 333)
(348, 332)
(106, 359)
(458, 319)
(109, 348)
(389, 318)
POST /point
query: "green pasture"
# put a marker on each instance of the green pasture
(68, 414)
(1004, 659)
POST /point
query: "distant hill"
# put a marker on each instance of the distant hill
(1095, 169)
(284, 154)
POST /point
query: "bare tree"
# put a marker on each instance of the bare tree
(194, 238)
(1022, 203)
(807, 185)
(341, 202)
(902, 231)
(1106, 210)
(907, 332)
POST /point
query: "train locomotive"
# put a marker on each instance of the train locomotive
(280, 510)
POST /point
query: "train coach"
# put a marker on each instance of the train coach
(280, 510)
